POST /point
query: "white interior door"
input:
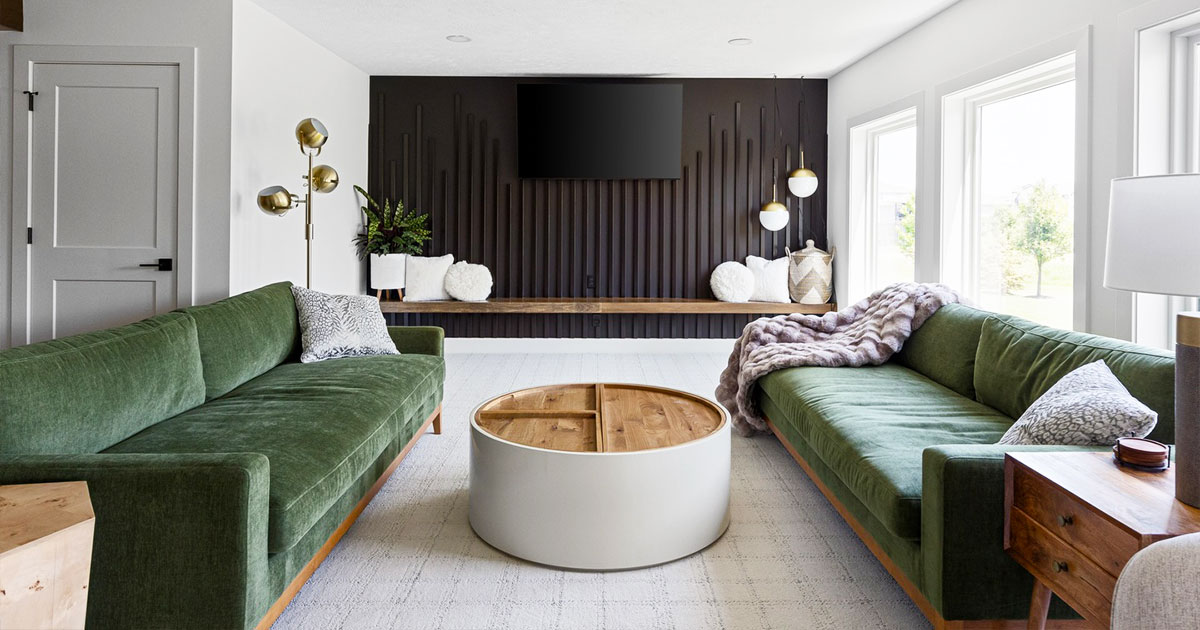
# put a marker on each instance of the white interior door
(103, 192)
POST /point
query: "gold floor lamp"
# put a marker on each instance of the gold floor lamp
(276, 200)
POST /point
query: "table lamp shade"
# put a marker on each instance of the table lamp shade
(1153, 231)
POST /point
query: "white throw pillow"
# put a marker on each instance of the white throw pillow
(469, 283)
(1087, 407)
(770, 279)
(425, 278)
(336, 326)
(732, 282)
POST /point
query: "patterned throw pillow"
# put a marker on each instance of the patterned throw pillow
(1087, 407)
(336, 326)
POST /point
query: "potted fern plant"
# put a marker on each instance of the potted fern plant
(391, 234)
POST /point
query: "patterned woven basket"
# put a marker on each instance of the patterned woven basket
(810, 274)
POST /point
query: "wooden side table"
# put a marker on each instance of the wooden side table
(45, 555)
(1074, 519)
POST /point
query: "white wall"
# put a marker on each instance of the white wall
(975, 34)
(203, 25)
(279, 78)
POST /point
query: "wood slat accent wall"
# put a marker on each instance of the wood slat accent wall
(448, 146)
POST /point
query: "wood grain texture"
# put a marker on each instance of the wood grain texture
(1073, 520)
(447, 146)
(604, 306)
(599, 417)
(45, 555)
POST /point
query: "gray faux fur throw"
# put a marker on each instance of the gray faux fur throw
(868, 333)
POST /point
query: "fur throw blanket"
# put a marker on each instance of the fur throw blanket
(868, 333)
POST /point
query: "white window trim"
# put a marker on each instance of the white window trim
(958, 171)
(1166, 138)
(863, 131)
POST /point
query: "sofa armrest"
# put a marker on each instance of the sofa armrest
(418, 339)
(180, 539)
(966, 574)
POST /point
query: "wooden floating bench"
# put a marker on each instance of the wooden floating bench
(597, 306)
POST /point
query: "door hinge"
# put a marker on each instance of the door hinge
(30, 95)
(29, 236)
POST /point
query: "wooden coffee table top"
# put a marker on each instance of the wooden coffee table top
(599, 417)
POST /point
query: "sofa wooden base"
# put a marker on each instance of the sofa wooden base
(434, 420)
(911, 589)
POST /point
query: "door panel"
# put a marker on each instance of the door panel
(83, 305)
(104, 195)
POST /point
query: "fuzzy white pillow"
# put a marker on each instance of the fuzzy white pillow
(770, 279)
(425, 278)
(469, 283)
(731, 282)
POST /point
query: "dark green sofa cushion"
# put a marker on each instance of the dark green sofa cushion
(870, 424)
(321, 425)
(84, 393)
(943, 348)
(245, 335)
(1019, 360)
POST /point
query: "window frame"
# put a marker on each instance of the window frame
(864, 132)
(961, 103)
(1166, 140)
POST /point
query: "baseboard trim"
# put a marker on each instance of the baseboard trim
(276, 609)
(910, 589)
(519, 345)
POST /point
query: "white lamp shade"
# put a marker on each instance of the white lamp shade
(775, 219)
(803, 186)
(387, 271)
(1153, 229)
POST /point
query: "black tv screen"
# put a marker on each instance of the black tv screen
(599, 130)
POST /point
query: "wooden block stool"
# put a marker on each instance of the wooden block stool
(45, 555)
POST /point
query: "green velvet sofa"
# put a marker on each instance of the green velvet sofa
(221, 470)
(907, 450)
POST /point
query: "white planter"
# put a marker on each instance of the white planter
(387, 271)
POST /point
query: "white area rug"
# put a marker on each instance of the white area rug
(412, 561)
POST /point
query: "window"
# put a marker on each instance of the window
(1168, 141)
(884, 201)
(1008, 193)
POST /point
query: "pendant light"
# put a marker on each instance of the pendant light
(802, 182)
(774, 215)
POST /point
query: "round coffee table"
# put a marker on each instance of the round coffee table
(599, 475)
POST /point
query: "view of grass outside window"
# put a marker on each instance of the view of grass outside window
(1026, 205)
(894, 207)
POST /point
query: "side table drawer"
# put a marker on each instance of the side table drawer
(1107, 545)
(1078, 580)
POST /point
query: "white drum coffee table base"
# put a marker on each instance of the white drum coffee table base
(599, 511)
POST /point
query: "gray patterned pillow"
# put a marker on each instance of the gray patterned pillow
(336, 326)
(1087, 407)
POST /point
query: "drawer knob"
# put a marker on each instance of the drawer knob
(1060, 566)
(1064, 520)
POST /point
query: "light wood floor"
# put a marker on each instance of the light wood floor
(412, 561)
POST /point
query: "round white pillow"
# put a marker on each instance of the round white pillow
(732, 282)
(469, 283)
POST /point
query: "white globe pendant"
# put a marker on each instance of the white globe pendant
(773, 216)
(802, 182)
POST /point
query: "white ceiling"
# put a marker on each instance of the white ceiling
(676, 38)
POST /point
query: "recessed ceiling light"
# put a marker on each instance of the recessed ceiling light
(458, 39)
(741, 41)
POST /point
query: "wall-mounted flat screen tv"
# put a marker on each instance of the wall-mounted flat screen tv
(599, 130)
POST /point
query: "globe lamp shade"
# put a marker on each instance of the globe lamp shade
(773, 216)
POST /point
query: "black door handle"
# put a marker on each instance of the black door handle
(163, 264)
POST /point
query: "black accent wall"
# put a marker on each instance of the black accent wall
(447, 146)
